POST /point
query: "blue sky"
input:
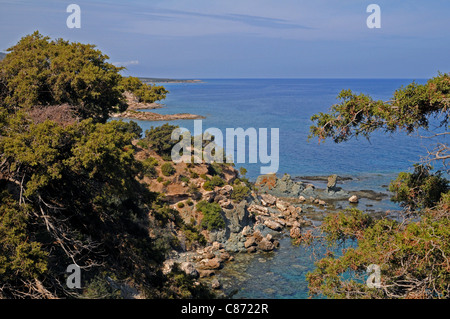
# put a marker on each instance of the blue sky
(249, 38)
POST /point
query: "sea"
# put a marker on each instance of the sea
(289, 104)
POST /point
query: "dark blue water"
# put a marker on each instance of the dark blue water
(288, 105)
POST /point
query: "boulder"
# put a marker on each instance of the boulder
(247, 231)
(258, 236)
(273, 225)
(295, 232)
(282, 205)
(206, 273)
(266, 245)
(209, 264)
(268, 200)
(215, 284)
(353, 199)
(226, 190)
(216, 245)
(209, 196)
(331, 185)
(251, 249)
(259, 210)
(226, 203)
(168, 266)
(251, 241)
(224, 256)
(302, 198)
(189, 269)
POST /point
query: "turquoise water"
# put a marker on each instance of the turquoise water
(289, 105)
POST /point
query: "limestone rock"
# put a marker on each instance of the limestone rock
(266, 245)
(273, 225)
(251, 241)
(268, 200)
(353, 199)
(209, 264)
(295, 232)
(189, 269)
(332, 182)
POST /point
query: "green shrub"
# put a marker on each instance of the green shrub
(215, 181)
(148, 167)
(180, 205)
(420, 189)
(192, 188)
(184, 179)
(160, 140)
(194, 175)
(167, 169)
(189, 202)
(215, 169)
(167, 183)
(240, 192)
(212, 217)
(160, 179)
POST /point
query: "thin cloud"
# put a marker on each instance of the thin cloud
(126, 63)
(251, 20)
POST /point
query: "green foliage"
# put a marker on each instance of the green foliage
(194, 175)
(185, 286)
(70, 193)
(38, 71)
(144, 92)
(193, 236)
(21, 257)
(184, 179)
(189, 202)
(180, 205)
(167, 169)
(420, 189)
(413, 254)
(409, 109)
(100, 288)
(215, 181)
(87, 172)
(212, 217)
(148, 167)
(412, 257)
(159, 139)
(240, 192)
(215, 169)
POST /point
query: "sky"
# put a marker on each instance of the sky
(200, 39)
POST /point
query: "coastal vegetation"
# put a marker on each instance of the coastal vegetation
(69, 180)
(413, 249)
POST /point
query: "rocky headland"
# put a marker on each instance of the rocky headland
(134, 111)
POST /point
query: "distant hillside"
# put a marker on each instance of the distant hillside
(2, 55)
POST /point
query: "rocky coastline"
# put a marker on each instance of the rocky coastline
(134, 111)
(277, 207)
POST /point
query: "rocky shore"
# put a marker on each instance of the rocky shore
(277, 207)
(134, 107)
